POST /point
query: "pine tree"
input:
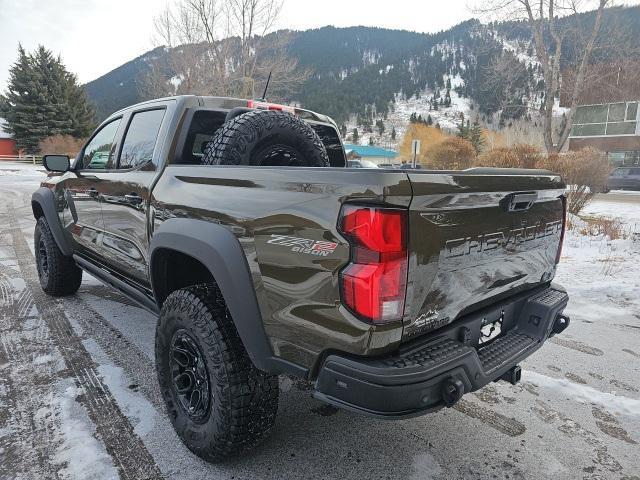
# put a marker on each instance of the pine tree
(371, 144)
(355, 136)
(463, 128)
(429, 121)
(393, 133)
(475, 136)
(44, 99)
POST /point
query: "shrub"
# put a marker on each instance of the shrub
(585, 172)
(602, 226)
(428, 136)
(61, 144)
(453, 153)
(518, 156)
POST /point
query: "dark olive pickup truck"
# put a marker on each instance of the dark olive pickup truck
(394, 291)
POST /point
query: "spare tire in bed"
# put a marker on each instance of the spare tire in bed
(266, 138)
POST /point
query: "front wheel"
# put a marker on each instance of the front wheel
(219, 403)
(59, 275)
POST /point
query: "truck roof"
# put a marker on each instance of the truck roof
(210, 101)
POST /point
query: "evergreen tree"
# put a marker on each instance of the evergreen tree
(429, 121)
(44, 99)
(355, 136)
(463, 128)
(475, 136)
(380, 127)
(343, 130)
(371, 144)
(393, 133)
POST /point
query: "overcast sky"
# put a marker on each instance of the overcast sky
(96, 36)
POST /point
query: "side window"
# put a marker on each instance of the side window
(140, 139)
(98, 153)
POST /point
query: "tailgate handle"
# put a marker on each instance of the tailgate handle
(519, 202)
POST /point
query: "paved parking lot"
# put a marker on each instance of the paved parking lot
(78, 394)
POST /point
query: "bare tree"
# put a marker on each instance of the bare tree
(222, 47)
(542, 17)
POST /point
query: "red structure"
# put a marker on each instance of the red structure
(7, 143)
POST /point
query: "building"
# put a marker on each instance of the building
(608, 116)
(374, 154)
(7, 143)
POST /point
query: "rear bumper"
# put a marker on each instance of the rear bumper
(435, 371)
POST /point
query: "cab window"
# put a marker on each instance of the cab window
(98, 154)
(140, 139)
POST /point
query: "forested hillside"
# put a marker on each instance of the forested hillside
(362, 75)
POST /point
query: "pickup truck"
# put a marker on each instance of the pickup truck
(393, 292)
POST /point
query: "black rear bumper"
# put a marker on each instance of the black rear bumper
(424, 374)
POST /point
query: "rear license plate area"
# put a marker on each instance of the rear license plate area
(491, 328)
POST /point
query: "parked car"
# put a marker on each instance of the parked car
(361, 164)
(625, 178)
(393, 292)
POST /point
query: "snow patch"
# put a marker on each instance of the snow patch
(80, 454)
(586, 394)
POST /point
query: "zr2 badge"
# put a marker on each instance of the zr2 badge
(304, 245)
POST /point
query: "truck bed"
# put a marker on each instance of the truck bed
(466, 248)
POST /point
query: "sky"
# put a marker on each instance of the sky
(95, 36)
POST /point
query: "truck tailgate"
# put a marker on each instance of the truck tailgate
(477, 236)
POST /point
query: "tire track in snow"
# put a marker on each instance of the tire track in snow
(121, 442)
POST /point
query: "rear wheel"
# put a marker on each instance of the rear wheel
(58, 275)
(218, 402)
(266, 138)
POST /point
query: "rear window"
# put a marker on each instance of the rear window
(203, 124)
(202, 127)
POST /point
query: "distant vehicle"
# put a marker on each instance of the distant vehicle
(625, 178)
(361, 164)
(409, 166)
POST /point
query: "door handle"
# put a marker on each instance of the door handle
(92, 192)
(133, 199)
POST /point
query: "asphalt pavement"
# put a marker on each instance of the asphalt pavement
(84, 364)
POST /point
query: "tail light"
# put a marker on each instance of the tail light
(564, 227)
(374, 283)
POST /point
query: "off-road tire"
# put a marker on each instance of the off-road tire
(266, 138)
(243, 400)
(59, 275)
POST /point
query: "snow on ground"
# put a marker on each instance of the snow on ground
(588, 395)
(79, 453)
(577, 408)
(621, 204)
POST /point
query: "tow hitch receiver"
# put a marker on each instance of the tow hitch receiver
(560, 324)
(513, 375)
(452, 391)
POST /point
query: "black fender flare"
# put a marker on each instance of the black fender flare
(45, 200)
(220, 252)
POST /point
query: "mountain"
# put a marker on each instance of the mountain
(365, 76)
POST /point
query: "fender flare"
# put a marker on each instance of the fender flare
(220, 252)
(43, 197)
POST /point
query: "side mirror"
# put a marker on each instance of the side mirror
(56, 163)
